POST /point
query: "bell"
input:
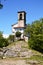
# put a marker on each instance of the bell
(1, 6)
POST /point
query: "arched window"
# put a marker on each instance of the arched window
(20, 16)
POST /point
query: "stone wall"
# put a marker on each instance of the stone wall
(26, 38)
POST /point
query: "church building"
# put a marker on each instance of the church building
(21, 23)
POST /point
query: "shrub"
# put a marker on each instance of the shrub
(18, 34)
(36, 35)
(3, 42)
(11, 38)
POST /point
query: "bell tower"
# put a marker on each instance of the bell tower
(22, 19)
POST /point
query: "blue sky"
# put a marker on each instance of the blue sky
(9, 15)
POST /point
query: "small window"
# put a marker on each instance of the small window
(20, 16)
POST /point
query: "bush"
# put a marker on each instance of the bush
(36, 35)
(36, 43)
(18, 34)
(3, 42)
(11, 38)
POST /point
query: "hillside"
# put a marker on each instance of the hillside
(18, 53)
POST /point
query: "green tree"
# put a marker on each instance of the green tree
(11, 38)
(3, 41)
(36, 35)
(1, 34)
(18, 34)
(27, 30)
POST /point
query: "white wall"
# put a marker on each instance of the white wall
(17, 29)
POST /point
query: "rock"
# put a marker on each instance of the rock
(1, 54)
(5, 49)
(11, 53)
(26, 54)
(17, 49)
(4, 57)
(23, 54)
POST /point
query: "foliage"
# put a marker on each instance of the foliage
(3, 41)
(36, 35)
(1, 34)
(18, 34)
(11, 38)
(27, 30)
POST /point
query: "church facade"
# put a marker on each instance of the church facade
(21, 23)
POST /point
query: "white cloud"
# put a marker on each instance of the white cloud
(5, 35)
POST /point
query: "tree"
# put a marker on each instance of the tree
(18, 34)
(1, 34)
(3, 41)
(27, 30)
(36, 35)
(11, 38)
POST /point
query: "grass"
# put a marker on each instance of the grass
(36, 52)
(11, 44)
(18, 42)
(37, 57)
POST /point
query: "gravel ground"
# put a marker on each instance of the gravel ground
(12, 62)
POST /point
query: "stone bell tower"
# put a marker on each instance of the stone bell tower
(21, 18)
